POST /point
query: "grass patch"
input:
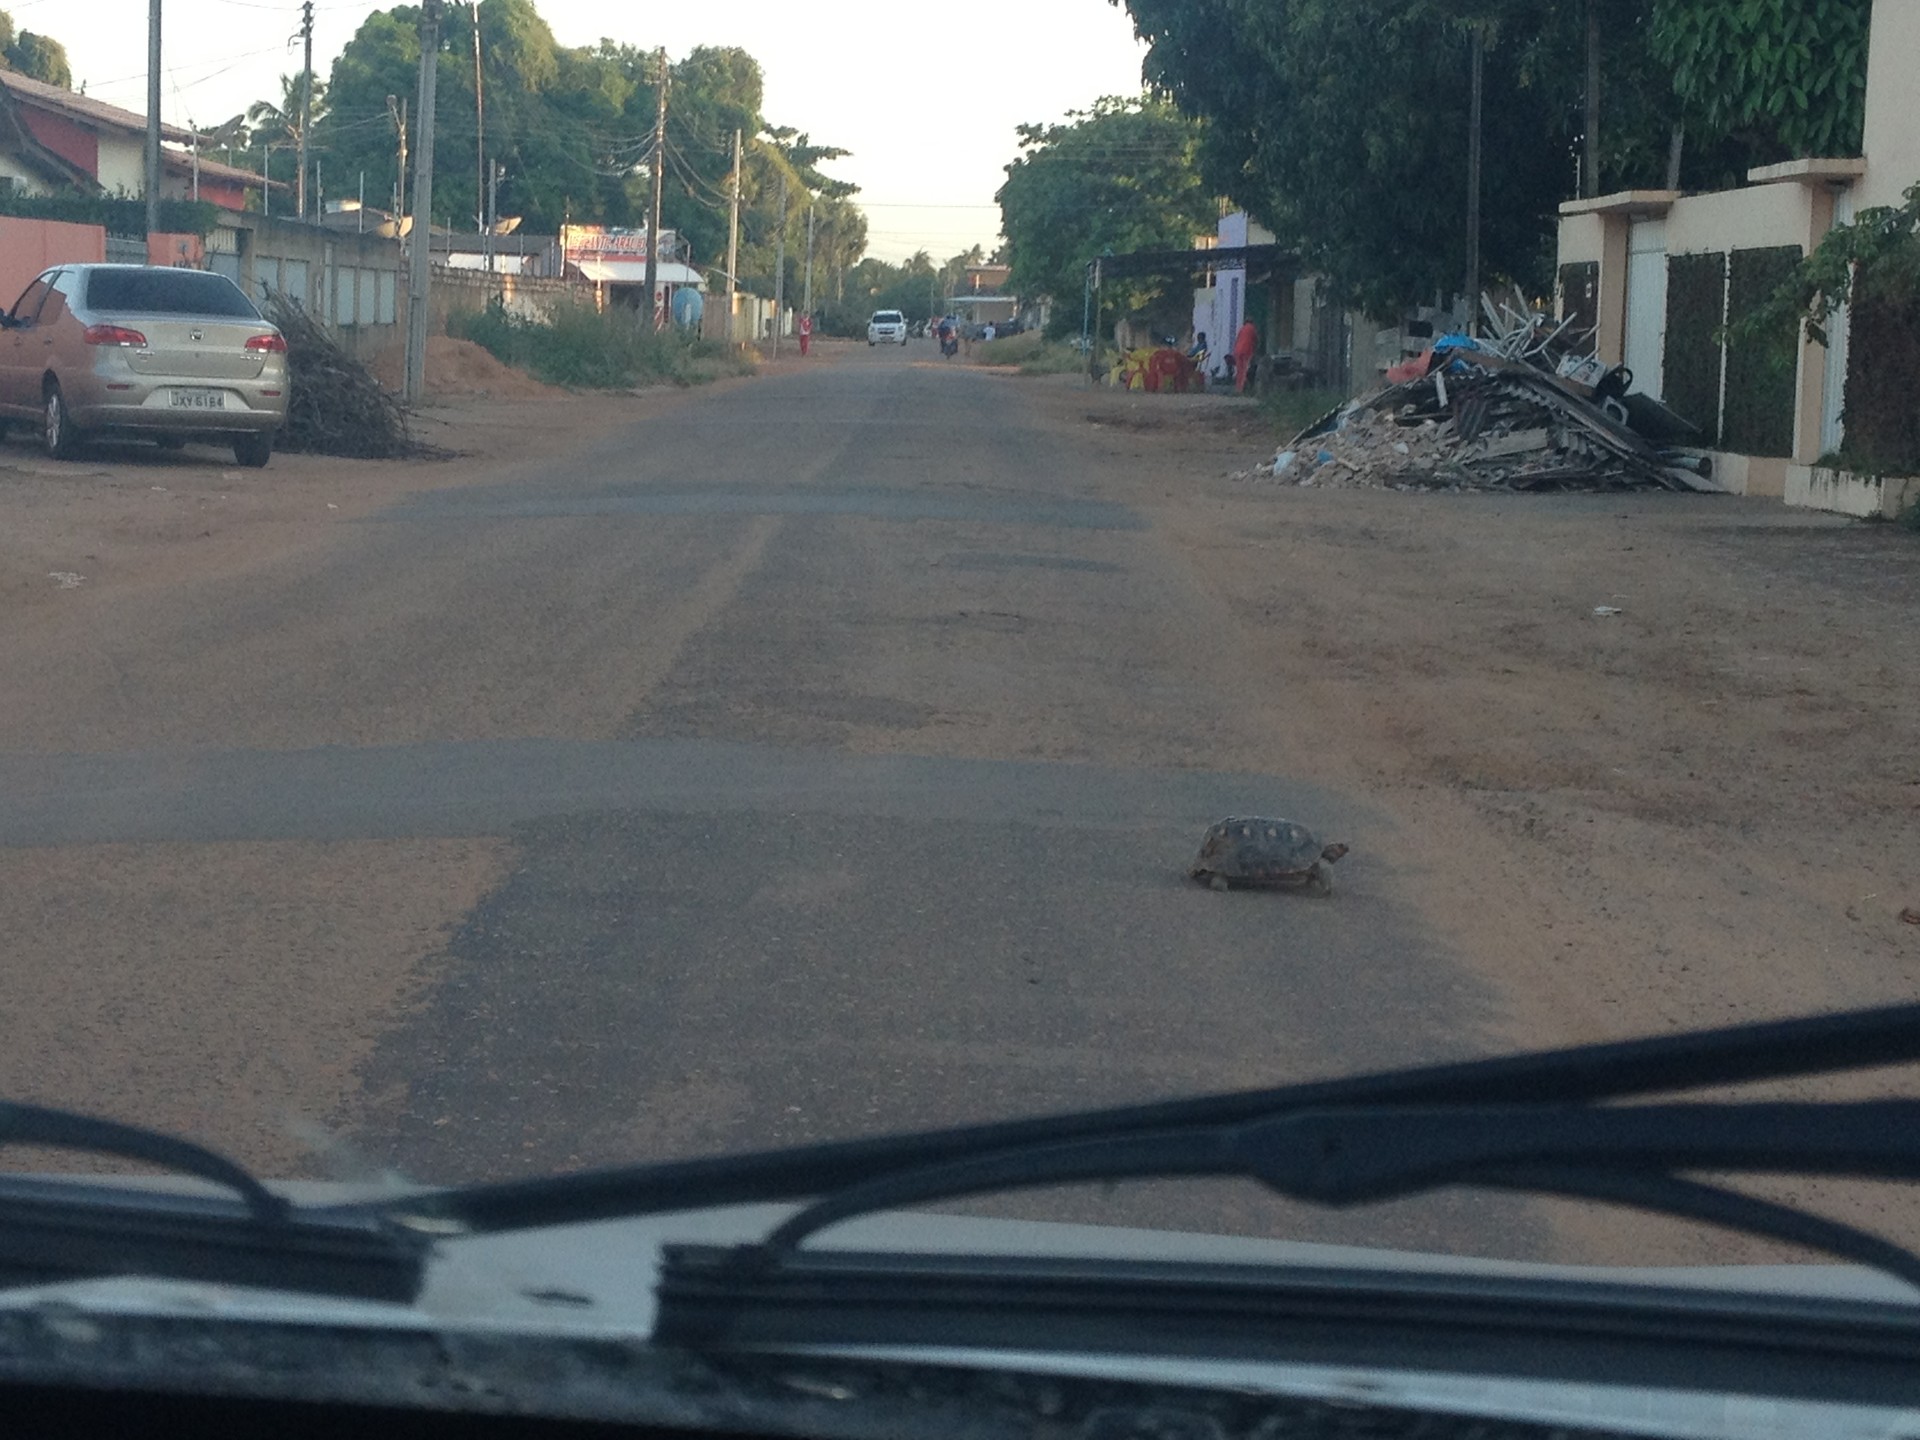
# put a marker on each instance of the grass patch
(1033, 354)
(589, 349)
(1293, 410)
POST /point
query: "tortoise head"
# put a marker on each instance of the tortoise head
(1332, 853)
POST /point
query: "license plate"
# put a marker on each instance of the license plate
(198, 399)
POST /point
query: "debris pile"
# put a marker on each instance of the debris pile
(1518, 411)
(334, 405)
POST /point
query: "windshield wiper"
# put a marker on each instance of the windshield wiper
(1626, 1155)
(57, 1231)
(1582, 1075)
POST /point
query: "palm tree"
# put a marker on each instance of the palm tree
(280, 125)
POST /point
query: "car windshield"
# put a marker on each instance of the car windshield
(562, 691)
(166, 292)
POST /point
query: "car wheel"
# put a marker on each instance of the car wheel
(253, 451)
(62, 435)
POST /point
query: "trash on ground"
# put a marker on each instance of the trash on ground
(1606, 610)
(334, 405)
(1517, 409)
(65, 579)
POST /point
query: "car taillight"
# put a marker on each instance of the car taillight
(113, 335)
(271, 344)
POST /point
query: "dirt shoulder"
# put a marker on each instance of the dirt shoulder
(1653, 760)
(127, 516)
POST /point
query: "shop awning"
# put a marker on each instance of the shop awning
(634, 272)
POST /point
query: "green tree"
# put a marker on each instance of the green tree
(1122, 176)
(1789, 76)
(279, 121)
(38, 56)
(1343, 127)
(572, 129)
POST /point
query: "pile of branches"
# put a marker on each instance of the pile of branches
(334, 405)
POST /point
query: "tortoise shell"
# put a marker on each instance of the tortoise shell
(1251, 850)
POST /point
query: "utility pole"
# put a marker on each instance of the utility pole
(419, 272)
(397, 109)
(1473, 178)
(306, 108)
(806, 302)
(493, 208)
(1590, 156)
(780, 271)
(479, 130)
(733, 236)
(153, 115)
(659, 178)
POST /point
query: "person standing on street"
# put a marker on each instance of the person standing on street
(1244, 345)
(806, 335)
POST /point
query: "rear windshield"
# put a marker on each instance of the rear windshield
(886, 317)
(167, 292)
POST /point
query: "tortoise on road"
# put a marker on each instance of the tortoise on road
(1274, 853)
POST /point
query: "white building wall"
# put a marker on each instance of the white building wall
(123, 164)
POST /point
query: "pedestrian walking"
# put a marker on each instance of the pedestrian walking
(806, 335)
(1244, 345)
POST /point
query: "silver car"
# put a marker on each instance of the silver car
(144, 352)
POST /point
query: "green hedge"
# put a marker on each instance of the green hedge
(119, 215)
(1882, 416)
(580, 346)
(1760, 371)
(1696, 309)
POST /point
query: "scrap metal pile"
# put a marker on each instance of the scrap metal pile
(334, 405)
(1518, 411)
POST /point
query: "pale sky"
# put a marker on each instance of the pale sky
(926, 97)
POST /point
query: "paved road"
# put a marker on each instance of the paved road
(849, 729)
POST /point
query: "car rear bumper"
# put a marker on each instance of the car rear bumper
(156, 412)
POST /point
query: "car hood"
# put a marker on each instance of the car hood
(595, 1282)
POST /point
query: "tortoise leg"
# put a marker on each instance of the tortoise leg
(1320, 879)
(1218, 882)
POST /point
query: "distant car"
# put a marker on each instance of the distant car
(142, 352)
(887, 327)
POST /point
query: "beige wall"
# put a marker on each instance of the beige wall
(1751, 219)
(1892, 134)
(123, 164)
(1582, 239)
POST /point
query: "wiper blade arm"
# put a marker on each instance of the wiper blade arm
(1615, 1070)
(58, 1231)
(1345, 1157)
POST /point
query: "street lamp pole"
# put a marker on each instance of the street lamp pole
(153, 116)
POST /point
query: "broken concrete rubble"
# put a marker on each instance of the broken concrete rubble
(1511, 413)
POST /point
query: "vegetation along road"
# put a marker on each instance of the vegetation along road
(820, 753)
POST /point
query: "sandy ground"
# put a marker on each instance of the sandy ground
(1700, 809)
(310, 949)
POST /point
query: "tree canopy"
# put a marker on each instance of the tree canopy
(38, 56)
(572, 129)
(1343, 126)
(1122, 176)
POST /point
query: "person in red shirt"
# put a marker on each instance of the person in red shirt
(1244, 345)
(806, 334)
